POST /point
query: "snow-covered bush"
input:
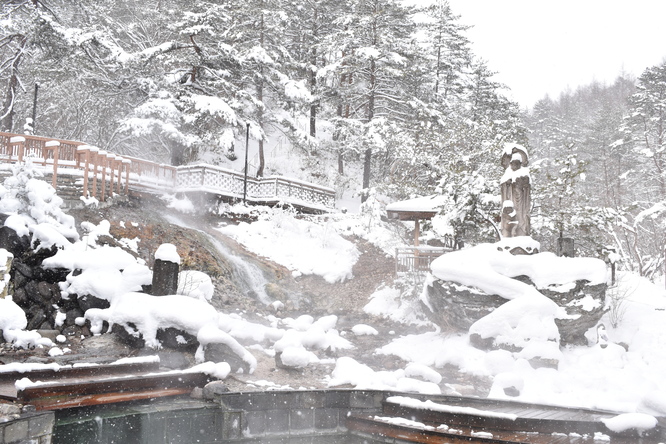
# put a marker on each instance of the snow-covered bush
(36, 208)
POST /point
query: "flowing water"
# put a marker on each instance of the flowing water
(248, 276)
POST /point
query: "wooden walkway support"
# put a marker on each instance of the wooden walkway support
(104, 173)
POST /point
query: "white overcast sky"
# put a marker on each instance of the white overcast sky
(541, 47)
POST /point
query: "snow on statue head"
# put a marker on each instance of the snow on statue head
(515, 196)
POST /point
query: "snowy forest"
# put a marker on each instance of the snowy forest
(374, 97)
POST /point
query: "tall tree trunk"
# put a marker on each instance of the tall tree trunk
(260, 96)
(313, 80)
(367, 158)
(7, 118)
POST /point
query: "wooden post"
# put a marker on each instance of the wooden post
(16, 140)
(85, 151)
(112, 172)
(119, 165)
(165, 271)
(103, 159)
(53, 146)
(417, 230)
(127, 164)
(93, 154)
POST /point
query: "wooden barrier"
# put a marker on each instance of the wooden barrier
(143, 175)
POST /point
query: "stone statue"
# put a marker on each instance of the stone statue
(515, 192)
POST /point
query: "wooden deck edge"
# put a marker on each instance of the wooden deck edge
(81, 371)
(372, 426)
(69, 394)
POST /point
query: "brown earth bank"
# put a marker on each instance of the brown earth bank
(198, 244)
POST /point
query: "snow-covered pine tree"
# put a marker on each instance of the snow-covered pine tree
(372, 50)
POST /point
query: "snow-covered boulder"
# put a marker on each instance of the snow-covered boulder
(472, 284)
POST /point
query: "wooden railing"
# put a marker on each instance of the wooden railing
(418, 259)
(269, 190)
(122, 172)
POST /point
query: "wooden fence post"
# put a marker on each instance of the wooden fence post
(20, 141)
(93, 153)
(103, 159)
(127, 164)
(119, 165)
(85, 151)
(53, 146)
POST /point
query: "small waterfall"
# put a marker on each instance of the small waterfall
(249, 277)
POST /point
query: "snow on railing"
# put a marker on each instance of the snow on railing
(100, 168)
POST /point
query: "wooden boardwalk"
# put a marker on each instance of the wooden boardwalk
(102, 174)
(457, 420)
(70, 387)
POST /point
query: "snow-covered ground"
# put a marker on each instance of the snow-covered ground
(622, 373)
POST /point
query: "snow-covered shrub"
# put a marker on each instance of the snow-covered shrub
(36, 208)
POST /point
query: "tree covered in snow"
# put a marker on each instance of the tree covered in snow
(393, 94)
(598, 176)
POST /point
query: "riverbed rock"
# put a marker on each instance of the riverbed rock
(219, 352)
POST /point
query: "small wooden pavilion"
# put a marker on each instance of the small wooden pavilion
(417, 258)
(415, 210)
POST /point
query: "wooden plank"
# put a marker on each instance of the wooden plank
(128, 383)
(81, 371)
(66, 402)
(80, 392)
(377, 426)
(528, 421)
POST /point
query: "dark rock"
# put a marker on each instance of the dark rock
(177, 339)
(45, 291)
(540, 362)
(218, 352)
(33, 292)
(459, 306)
(36, 317)
(214, 388)
(487, 344)
(22, 269)
(584, 304)
(72, 330)
(18, 280)
(51, 275)
(46, 325)
(71, 316)
(87, 302)
(12, 242)
(511, 391)
(36, 256)
(171, 359)
(129, 334)
(20, 297)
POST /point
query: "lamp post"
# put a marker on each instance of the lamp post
(247, 141)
